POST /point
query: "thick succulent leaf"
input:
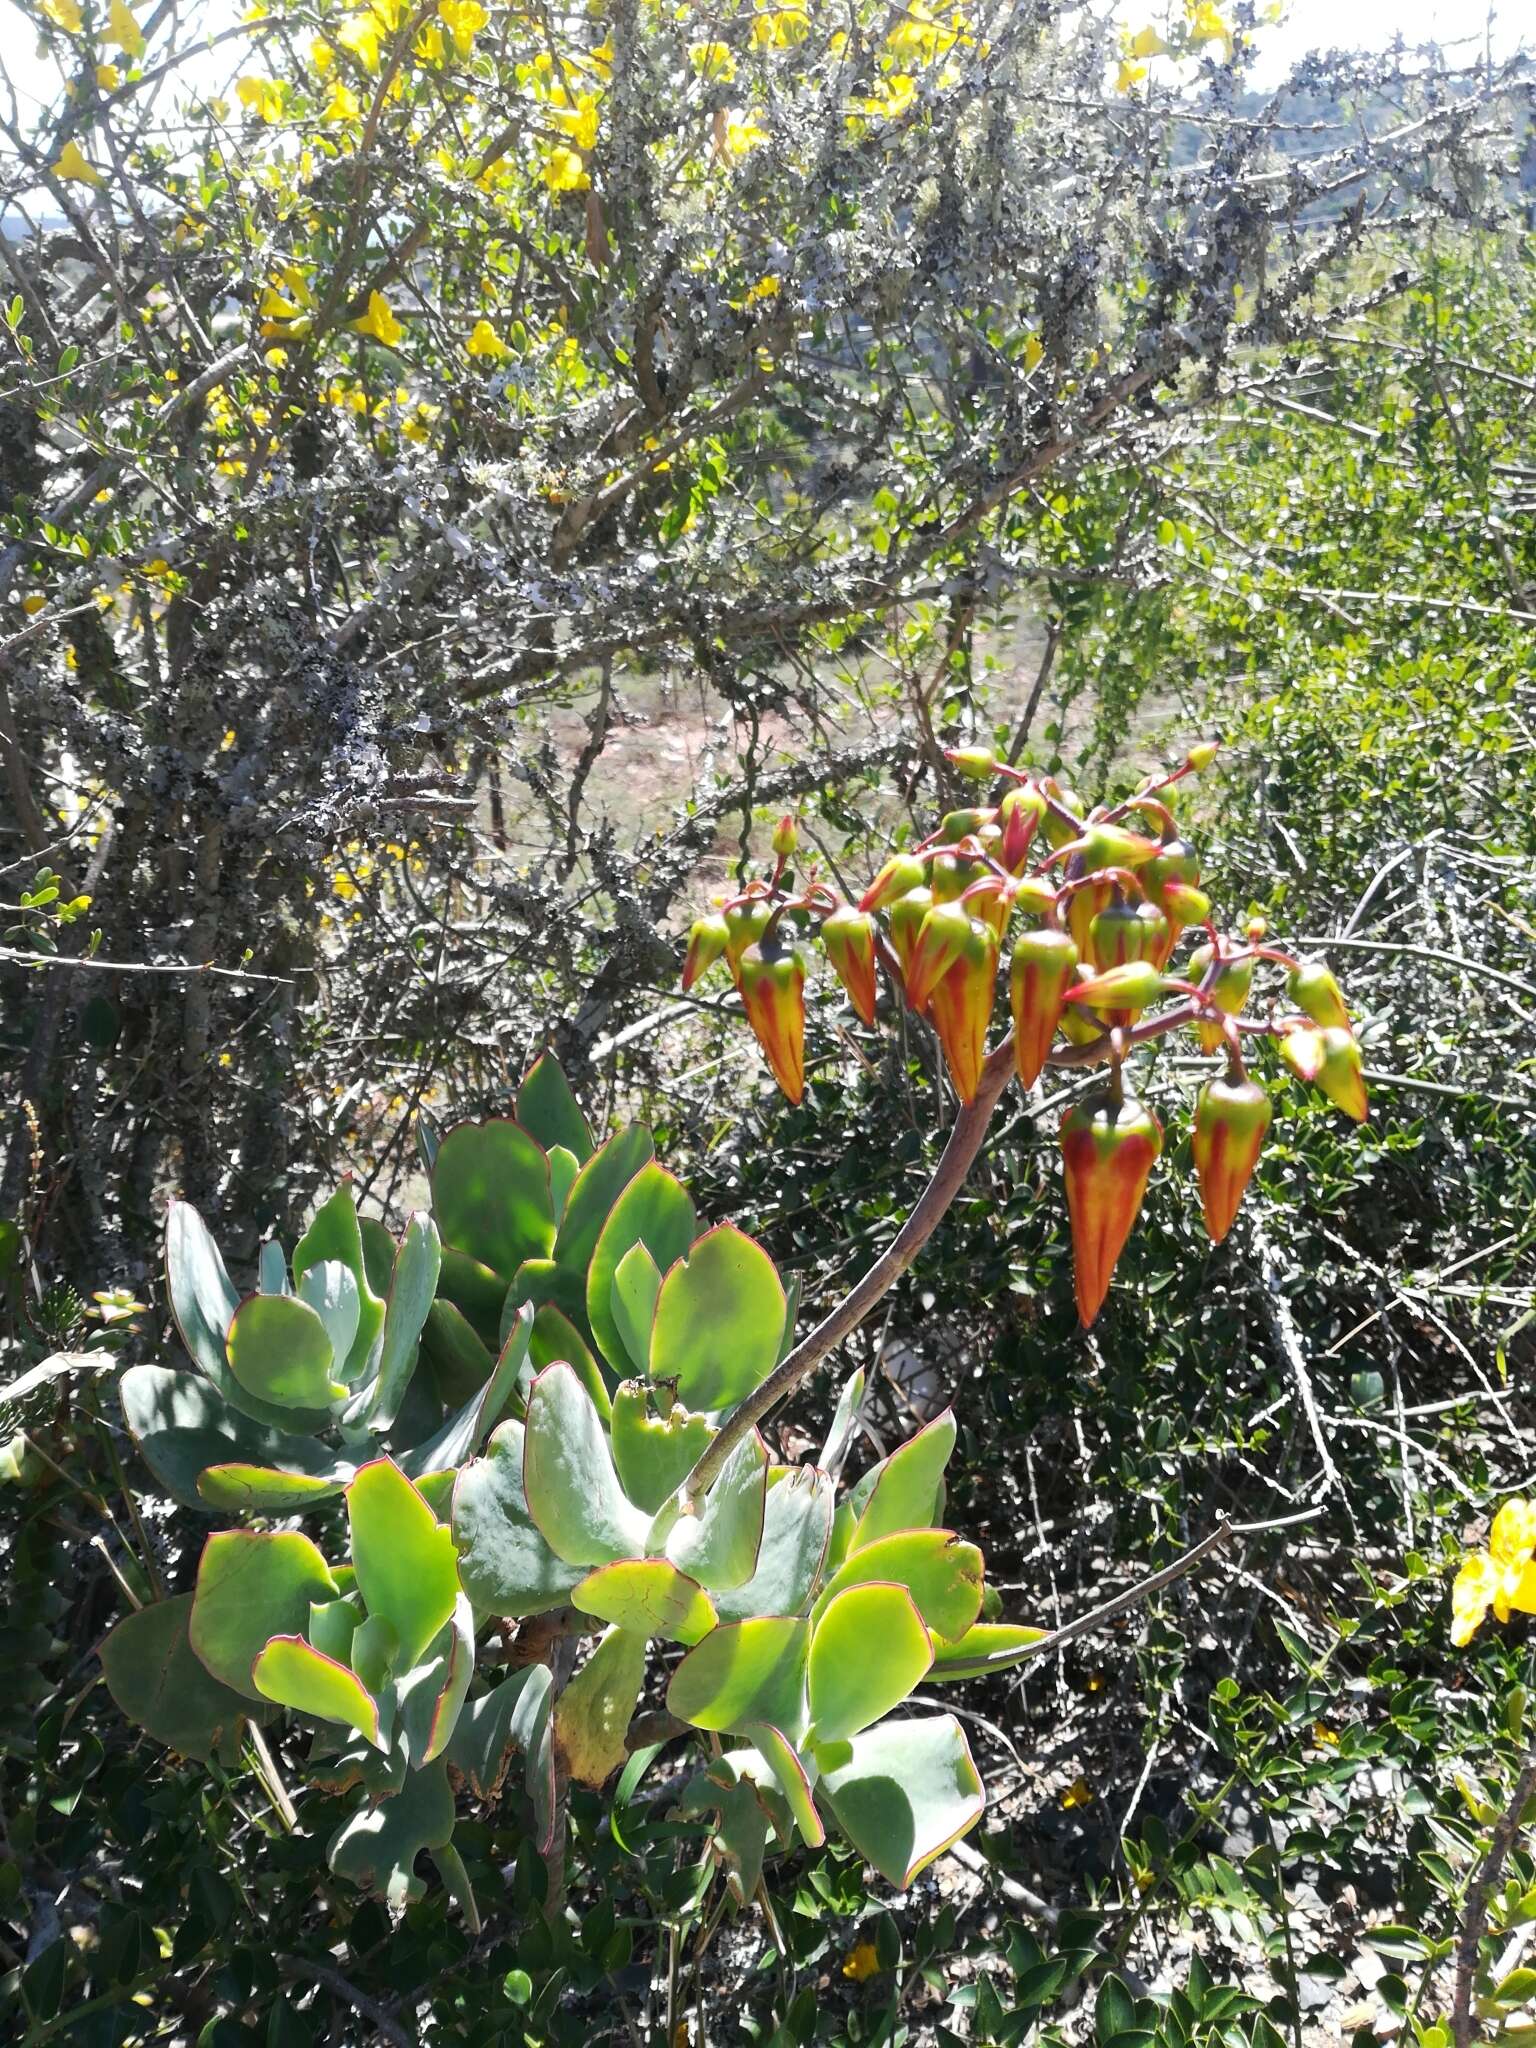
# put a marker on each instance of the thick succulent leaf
(905, 1486)
(271, 1269)
(546, 1283)
(596, 1188)
(572, 1489)
(942, 1574)
(458, 1362)
(203, 1301)
(295, 1674)
(718, 1546)
(279, 1350)
(431, 1694)
(593, 1714)
(563, 1169)
(989, 1646)
(411, 1288)
(741, 1827)
(797, 1523)
(464, 1432)
(331, 1292)
(654, 1454)
(557, 1341)
(505, 1566)
(374, 1651)
(904, 1793)
(790, 1773)
(844, 1421)
(182, 1427)
(160, 1684)
(548, 1110)
(745, 1671)
(648, 1596)
(376, 1849)
(636, 1284)
(496, 1726)
(335, 1233)
(490, 1193)
(403, 1557)
(378, 1254)
(654, 1210)
(475, 1291)
(251, 1587)
(332, 1625)
(265, 1490)
(719, 1317)
(869, 1649)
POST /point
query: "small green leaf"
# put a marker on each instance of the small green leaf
(593, 1713)
(636, 1284)
(377, 1847)
(654, 1454)
(649, 1597)
(652, 1209)
(279, 1350)
(158, 1682)
(797, 1523)
(251, 1587)
(433, 1691)
(572, 1489)
(792, 1780)
(719, 1545)
(295, 1674)
(719, 1317)
(491, 1195)
(505, 1565)
(549, 1112)
(905, 1792)
(744, 1671)
(906, 1484)
(412, 1285)
(869, 1649)
(335, 1233)
(204, 1302)
(942, 1574)
(403, 1556)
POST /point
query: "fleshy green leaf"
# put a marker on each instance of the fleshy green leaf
(335, 1233)
(475, 1291)
(719, 1317)
(331, 1292)
(904, 1793)
(278, 1349)
(159, 1683)
(988, 1646)
(654, 1454)
(295, 1674)
(495, 1726)
(905, 1486)
(648, 1596)
(596, 1188)
(744, 1671)
(465, 1432)
(572, 1489)
(431, 1693)
(403, 1557)
(942, 1574)
(265, 1490)
(593, 1713)
(505, 1565)
(549, 1112)
(718, 1546)
(203, 1301)
(797, 1523)
(636, 1284)
(251, 1587)
(793, 1782)
(654, 1210)
(557, 1341)
(412, 1286)
(490, 1192)
(869, 1649)
(377, 1847)
(182, 1427)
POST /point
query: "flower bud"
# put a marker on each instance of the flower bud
(907, 914)
(1174, 861)
(1124, 931)
(773, 995)
(849, 937)
(1228, 991)
(1128, 987)
(939, 939)
(786, 837)
(957, 825)
(1328, 1057)
(1020, 812)
(1231, 1118)
(1316, 994)
(1113, 846)
(1256, 928)
(961, 1007)
(1108, 1149)
(1039, 973)
(1034, 896)
(976, 764)
(1202, 754)
(745, 923)
(1183, 904)
(902, 873)
(1059, 830)
(1083, 906)
(951, 874)
(707, 940)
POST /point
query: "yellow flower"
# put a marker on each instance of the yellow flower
(464, 20)
(919, 35)
(564, 171)
(1146, 43)
(380, 322)
(430, 47)
(1034, 349)
(418, 427)
(1502, 1577)
(343, 104)
(359, 33)
(65, 14)
(33, 604)
(580, 123)
(893, 98)
(765, 288)
(713, 61)
(781, 28)
(123, 30)
(262, 97)
(321, 56)
(1078, 1793)
(108, 77)
(743, 133)
(485, 341)
(862, 1963)
(73, 167)
(1129, 75)
(1207, 26)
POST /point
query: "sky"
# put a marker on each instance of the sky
(1309, 24)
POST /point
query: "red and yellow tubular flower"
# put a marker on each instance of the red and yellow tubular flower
(961, 1007)
(849, 937)
(1019, 813)
(1039, 975)
(1231, 1118)
(902, 873)
(1109, 1145)
(745, 923)
(1229, 992)
(707, 940)
(940, 937)
(1329, 1058)
(907, 914)
(1083, 906)
(1316, 994)
(1119, 991)
(1126, 931)
(773, 995)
